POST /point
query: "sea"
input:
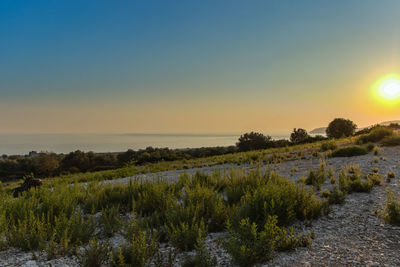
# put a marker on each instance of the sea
(22, 144)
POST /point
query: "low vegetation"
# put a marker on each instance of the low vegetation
(349, 151)
(375, 135)
(257, 208)
(60, 218)
(392, 208)
(393, 140)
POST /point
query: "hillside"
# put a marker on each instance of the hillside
(322, 130)
(339, 216)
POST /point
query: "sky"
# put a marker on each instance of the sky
(194, 66)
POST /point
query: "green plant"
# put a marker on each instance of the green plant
(336, 196)
(110, 220)
(185, 235)
(390, 175)
(203, 257)
(376, 151)
(340, 127)
(328, 145)
(140, 249)
(375, 135)
(94, 255)
(317, 178)
(249, 245)
(349, 151)
(163, 260)
(302, 180)
(375, 178)
(279, 197)
(393, 140)
(331, 176)
(392, 208)
(325, 193)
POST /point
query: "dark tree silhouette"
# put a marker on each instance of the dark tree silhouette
(299, 136)
(340, 127)
(253, 141)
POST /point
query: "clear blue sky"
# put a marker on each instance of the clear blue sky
(193, 66)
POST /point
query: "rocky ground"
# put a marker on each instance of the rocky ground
(353, 234)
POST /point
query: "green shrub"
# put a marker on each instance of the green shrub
(140, 249)
(349, 151)
(376, 135)
(280, 197)
(94, 255)
(28, 234)
(393, 140)
(209, 205)
(375, 178)
(355, 183)
(336, 196)
(328, 145)
(249, 245)
(162, 260)
(203, 257)
(110, 220)
(325, 193)
(154, 197)
(390, 175)
(317, 178)
(238, 183)
(392, 208)
(185, 235)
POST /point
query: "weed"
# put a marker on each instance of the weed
(349, 151)
(392, 208)
(95, 254)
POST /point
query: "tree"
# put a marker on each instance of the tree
(253, 141)
(46, 164)
(340, 127)
(299, 136)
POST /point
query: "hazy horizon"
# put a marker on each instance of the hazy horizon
(194, 67)
(20, 144)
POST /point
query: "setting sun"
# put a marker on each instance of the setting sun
(390, 89)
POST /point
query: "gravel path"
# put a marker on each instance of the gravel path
(353, 234)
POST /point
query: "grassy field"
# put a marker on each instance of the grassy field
(255, 209)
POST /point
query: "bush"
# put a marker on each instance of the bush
(110, 221)
(349, 151)
(141, 248)
(340, 128)
(355, 183)
(249, 245)
(317, 178)
(393, 140)
(184, 236)
(392, 208)
(202, 258)
(375, 178)
(209, 206)
(328, 145)
(254, 141)
(336, 196)
(299, 136)
(376, 135)
(279, 197)
(95, 254)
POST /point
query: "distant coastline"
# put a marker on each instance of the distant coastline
(21, 144)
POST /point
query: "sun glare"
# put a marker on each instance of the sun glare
(390, 89)
(387, 89)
